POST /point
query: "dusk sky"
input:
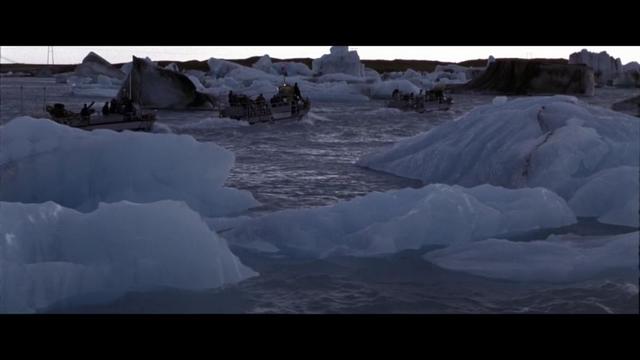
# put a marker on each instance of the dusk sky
(119, 54)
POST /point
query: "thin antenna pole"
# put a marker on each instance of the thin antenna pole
(50, 55)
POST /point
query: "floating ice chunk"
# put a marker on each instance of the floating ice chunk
(499, 100)
(405, 219)
(94, 91)
(45, 161)
(340, 77)
(49, 253)
(552, 260)
(612, 195)
(172, 67)
(220, 68)
(281, 68)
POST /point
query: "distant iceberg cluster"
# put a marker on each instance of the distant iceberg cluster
(338, 76)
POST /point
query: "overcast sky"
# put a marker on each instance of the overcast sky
(119, 54)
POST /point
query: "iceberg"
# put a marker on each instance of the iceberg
(555, 259)
(605, 67)
(51, 254)
(612, 195)
(45, 161)
(554, 142)
(382, 223)
(220, 68)
(155, 87)
(282, 68)
(94, 65)
(339, 60)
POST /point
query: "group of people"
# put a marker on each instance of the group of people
(124, 107)
(430, 95)
(283, 95)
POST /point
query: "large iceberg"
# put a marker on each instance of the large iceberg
(556, 259)
(521, 76)
(340, 60)
(388, 222)
(45, 161)
(152, 86)
(605, 67)
(93, 65)
(50, 254)
(629, 77)
(554, 142)
(220, 68)
(282, 68)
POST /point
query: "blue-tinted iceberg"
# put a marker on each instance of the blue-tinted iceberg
(49, 253)
(45, 161)
(554, 142)
(388, 222)
(556, 259)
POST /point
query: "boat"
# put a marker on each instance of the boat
(286, 104)
(433, 100)
(134, 121)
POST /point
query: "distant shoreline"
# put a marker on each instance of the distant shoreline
(380, 66)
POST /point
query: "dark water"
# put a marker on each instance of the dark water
(401, 283)
(312, 163)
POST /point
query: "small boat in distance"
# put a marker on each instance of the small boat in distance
(432, 100)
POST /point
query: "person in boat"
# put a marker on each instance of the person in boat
(261, 102)
(84, 113)
(129, 109)
(296, 92)
(439, 95)
(113, 107)
(105, 108)
(58, 110)
(395, 93)
(232, 98)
